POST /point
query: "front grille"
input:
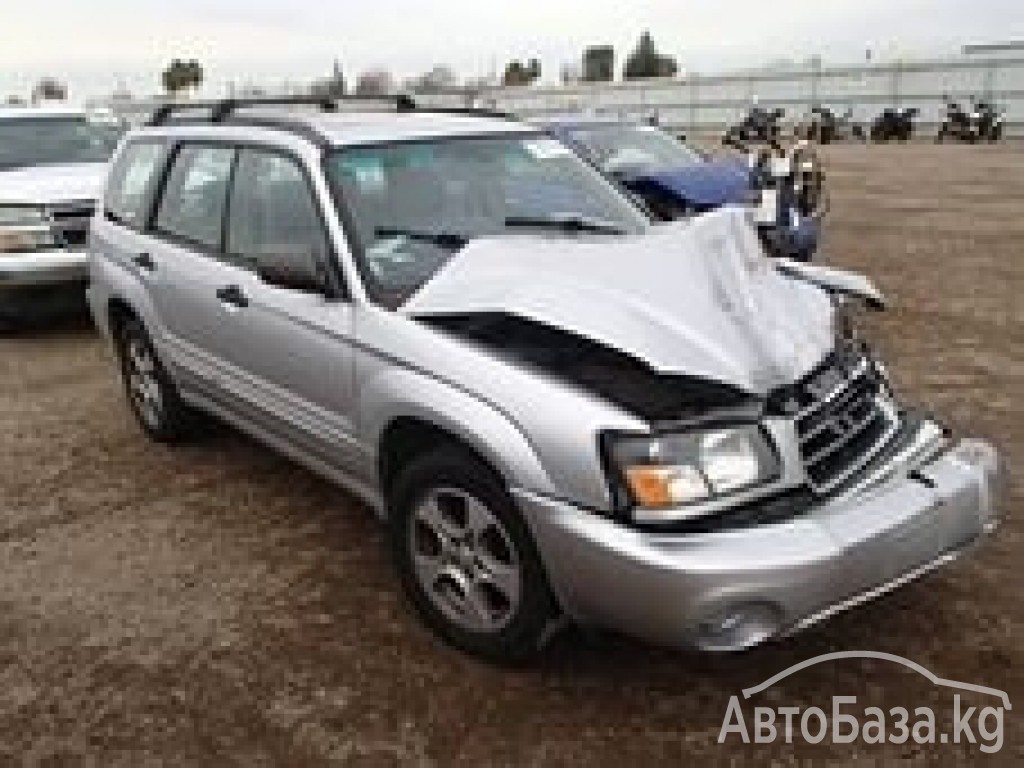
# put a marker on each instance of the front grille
(844, 416)
(71, 222)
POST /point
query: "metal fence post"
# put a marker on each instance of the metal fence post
(694, 92)
(815, 81)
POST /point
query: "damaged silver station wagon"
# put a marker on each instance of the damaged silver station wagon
(562, 411)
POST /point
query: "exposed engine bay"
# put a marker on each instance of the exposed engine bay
(598, 369)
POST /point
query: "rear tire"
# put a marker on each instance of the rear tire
(466, 558)
(151, 393)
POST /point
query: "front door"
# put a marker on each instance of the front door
(291, 348)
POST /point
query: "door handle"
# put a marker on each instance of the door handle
(144, 261)
(233, 295)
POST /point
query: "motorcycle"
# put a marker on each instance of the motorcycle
(760, 125)
(990, 121)
(958, 123)
(791, 198)
(825, 126)
(894, 124)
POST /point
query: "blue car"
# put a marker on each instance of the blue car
(675, 180)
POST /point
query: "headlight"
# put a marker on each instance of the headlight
(673, 470)
(24, 228)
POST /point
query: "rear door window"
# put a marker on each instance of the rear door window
(195, 195)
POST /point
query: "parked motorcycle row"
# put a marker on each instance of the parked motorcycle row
(983, 122)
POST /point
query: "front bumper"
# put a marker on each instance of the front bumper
(732, 589)
(41, 285)
(43, 268)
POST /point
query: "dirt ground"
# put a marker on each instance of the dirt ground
(217, 605)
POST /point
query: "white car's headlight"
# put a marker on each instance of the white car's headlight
(25, 228)
(673, 470)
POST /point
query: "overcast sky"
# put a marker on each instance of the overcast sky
(94, 44)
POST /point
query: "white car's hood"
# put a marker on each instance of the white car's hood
(697, 298)
(51, 184)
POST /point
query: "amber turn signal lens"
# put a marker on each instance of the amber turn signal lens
(660, 486)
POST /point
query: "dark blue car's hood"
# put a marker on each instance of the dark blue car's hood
(702, 185)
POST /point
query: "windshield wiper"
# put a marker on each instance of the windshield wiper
(569, 223)
(451, 240)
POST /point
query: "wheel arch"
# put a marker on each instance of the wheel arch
(403, 413)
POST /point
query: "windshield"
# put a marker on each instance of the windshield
(27, 141)
(412, 205)
(618, 148)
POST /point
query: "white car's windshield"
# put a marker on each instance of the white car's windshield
(28, 141)
(411, 205)
(618, 148)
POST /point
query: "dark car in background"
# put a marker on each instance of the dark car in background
(676, 180)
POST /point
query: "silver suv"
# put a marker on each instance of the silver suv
(560, 410)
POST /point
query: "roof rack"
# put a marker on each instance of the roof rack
(223, 110)
(220, 111)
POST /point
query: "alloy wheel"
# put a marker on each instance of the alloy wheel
(144, 386)
(465, 561)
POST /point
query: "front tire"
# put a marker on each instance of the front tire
(151, 394)
(466, 558)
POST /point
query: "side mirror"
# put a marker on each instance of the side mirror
(295, 268)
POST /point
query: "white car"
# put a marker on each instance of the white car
(52, 164)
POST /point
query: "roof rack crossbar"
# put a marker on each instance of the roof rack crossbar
(470, 111)
(223, 109)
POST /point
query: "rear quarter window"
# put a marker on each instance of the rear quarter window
(131, 182)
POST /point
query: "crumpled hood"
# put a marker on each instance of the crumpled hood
(696, 298)
(49, 184)
(705, 185)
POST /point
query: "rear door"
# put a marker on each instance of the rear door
(185, 268)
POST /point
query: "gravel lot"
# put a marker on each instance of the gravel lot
(216, 605)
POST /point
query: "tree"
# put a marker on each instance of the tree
(375, 82)
(599, 64)
(645, 61)
(516, 73)
(49, 89)
(333, 86)
(181, 75)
